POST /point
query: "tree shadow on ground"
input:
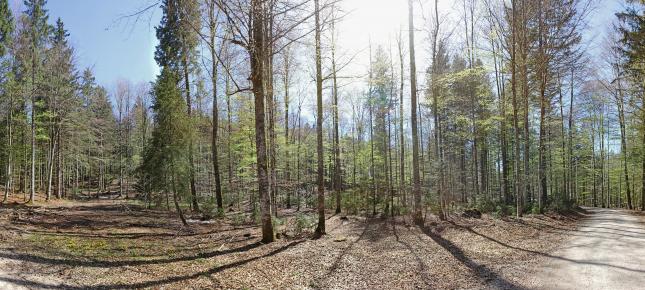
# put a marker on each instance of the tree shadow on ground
(109, 264)
(422, 268)
(152, 283)
(471, 230)
(482, 271)
(334, 267)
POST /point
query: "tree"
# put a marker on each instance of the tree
(6, 86)
(178, 40)
(61, 86)
(38, 32)
(257, 54)
(165, 164)
(337, 183)
(416, 184)
(213, 27)
(632, 31)
(320, 228)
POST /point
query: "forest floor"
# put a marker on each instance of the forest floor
(114, 244)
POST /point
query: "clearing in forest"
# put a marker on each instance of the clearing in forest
(113, 244)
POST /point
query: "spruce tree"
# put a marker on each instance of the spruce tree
(6, 95)
(6, 26)
(38, 32)
(165, 166)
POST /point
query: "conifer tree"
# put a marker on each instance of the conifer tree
(165, 164)
(6, 83)
(38, 32)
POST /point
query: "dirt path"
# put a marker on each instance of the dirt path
(606, 252)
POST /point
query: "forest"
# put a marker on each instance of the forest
(261, 128)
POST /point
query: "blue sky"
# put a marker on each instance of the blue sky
(117, 48)
(113, 49)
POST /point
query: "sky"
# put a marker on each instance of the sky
(113, 47)
(123, 48)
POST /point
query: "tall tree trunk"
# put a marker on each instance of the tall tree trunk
(593, 162)
(542, 147)
(8, 184)
(257, 54)
(623, 145)
(216, 173)
(503, 142)
(229, 129)
(50, 167)
(298, 146)
(336, 146)
(320, 229)
(193, 188)
(542, 74)
(643, 161)
(601, 132)
(287, 168)
(416, 185)
(370, 101)
(565, 179)
(519, 177)
(435, 108)
(523, 65)
(401, 131)
(174, 198)
(32, 192)
(572, 188)
(270, 105)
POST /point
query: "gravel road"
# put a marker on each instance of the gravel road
(606, 252)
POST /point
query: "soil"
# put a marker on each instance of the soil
(115, 244)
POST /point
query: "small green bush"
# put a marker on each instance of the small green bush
(486, 205)
(304, 222)
(208, 210)
(501, 210)
(238, 220)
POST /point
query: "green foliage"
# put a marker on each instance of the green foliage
(6, 26)
(561, 204)
(304, 223)
(278, 222)
(532, 208)
(502, 210)
(209, 210)
(238, 219)
(632, 31)
(350, 203)
(165, 164)
(177, 38)
(486, 205)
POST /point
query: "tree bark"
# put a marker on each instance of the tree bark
(623, 144)
(8, 184)
(216, 173)
(519, 177)
(257, 52)
(401, 132)
(416, 185)
(336, 149)
(320, 229)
